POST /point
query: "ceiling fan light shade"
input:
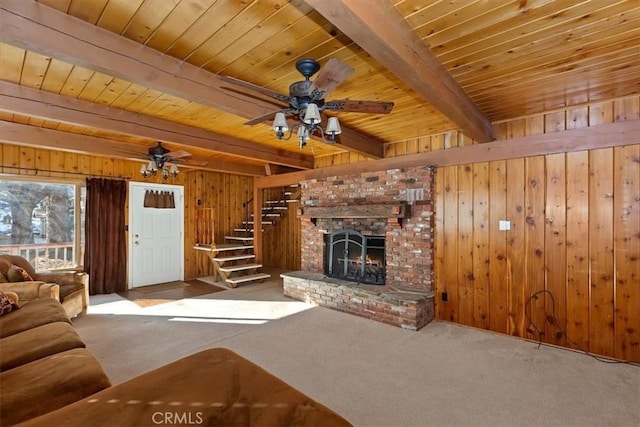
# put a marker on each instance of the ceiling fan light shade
(173, 170)
(303, 135)
(280, 123)
(333, 126)
(144, 170)
(312, 114)
(152, 167)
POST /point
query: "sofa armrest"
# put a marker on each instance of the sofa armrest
(68, 278)
(28, 291)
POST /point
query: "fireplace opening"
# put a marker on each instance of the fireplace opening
(350, 255)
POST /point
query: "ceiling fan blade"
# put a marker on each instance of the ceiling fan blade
(263, 90)
(178, 154)
(268, 116)
(330, 77)
(193, 162)
(355, 106)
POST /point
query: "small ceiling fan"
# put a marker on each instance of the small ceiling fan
(160, 157)
(306, 99)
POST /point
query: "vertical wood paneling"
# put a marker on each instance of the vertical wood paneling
(575, 232)
(449, 274)
(515, 247)
(481, 283)
(281, 242)
(601, 251)
(534, 225)
(465, 245)
(578, 249)
(28, 160)
(627, 238)
(627, 252)
(555, 245)
(438, 251)
(43, 160)
(498, 273)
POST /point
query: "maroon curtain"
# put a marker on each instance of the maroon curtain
(105, 251)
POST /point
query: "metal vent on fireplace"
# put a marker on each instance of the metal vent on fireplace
(350, 255)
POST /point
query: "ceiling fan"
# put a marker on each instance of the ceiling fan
(306, 100)
(160, 157)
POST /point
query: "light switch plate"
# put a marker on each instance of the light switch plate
(504, 225)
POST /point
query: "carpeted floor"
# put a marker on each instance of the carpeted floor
(163, 293)
(371, 373)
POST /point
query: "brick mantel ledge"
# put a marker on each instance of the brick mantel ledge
(395, 210)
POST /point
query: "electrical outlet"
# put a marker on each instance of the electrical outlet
(444, 296)
(504, 225)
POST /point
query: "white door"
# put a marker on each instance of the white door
(156, 237)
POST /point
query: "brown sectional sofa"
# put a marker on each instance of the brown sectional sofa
(43, 363)
(70, 288)
(48, 378)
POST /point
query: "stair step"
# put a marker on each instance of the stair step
(234, 257)
(230, 247)
(242, 239)
(269, 214)
(248, 278)
(276, 208)
(232, 268)
(264, 222)
(243, 230)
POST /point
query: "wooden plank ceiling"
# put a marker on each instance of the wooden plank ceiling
(130, 72)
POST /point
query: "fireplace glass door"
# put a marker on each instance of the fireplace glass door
(349, 255)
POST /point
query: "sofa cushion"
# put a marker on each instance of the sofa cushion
(8, 302)
(48, 384)
(215, 387)
(32, 314)
(3, 278)
(36, 343)
(16, 273)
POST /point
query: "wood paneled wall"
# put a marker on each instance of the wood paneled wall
(281, 246)
(223, 192)
(574, 239)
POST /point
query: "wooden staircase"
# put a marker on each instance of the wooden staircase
(233, 261)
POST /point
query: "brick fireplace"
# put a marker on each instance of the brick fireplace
(395, 206)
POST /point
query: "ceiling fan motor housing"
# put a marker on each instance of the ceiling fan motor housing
(299, 94)
(158, 150)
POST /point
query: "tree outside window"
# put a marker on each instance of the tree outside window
(38, 221)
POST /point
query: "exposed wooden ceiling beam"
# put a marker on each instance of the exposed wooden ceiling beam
(600, 136)
(33, 26)
(380, 29)
(16, 133)
(45, 105)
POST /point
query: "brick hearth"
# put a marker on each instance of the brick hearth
(408, 310)
(406, 299)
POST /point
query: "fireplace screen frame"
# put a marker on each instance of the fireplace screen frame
(364, 271)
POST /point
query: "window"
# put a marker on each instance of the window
(43, 222)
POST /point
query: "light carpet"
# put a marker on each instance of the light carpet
(371, 373)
